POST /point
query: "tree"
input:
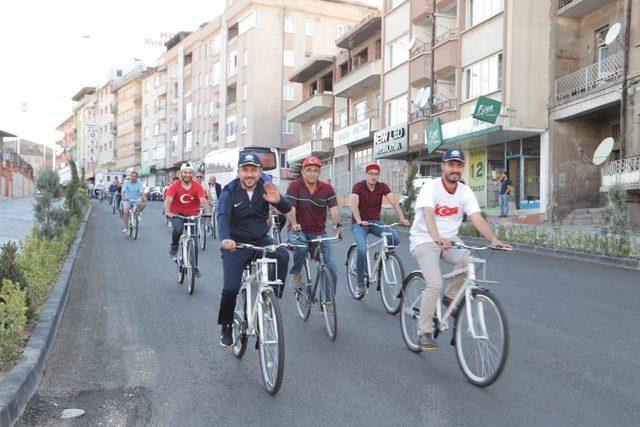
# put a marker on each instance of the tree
(48, 210)
(616, 221)
(9, 268)
(72, 199)
(411, 192)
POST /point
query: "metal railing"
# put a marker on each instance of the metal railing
(589, 78)
(420, 49)
(450, 34)
(370, 114)
(422, 113)
(617, 167)
(563, 3)
(449, 104)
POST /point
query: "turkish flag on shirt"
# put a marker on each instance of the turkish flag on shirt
(185, 202)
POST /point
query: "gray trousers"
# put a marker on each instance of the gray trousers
(428, 256)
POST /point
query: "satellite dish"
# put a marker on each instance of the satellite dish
(412, 42)
(422, 102)
(602, 152)
(612, 34)
(418, 97)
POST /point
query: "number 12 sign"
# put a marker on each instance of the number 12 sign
(478, 174)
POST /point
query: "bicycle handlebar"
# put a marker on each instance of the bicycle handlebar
(268, 248)
(320, 239)
(478, 248)
(381, 225)
(189, 218)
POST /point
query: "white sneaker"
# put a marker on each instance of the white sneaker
(296, 282)
(125, 231)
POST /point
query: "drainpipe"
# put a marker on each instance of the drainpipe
(625, 68)
(284, 15)
(432, 71)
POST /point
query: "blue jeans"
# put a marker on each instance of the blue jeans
(504, 204)
(360, 234)
(300, 253)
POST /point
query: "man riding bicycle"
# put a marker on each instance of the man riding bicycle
(242, 216)
(132, 192)
(113, 190)
(310, 198)
(366, 203)
(184, 197)
(438, 216)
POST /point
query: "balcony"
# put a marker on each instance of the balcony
(317, 145)
(368, 27)
(446, 52)
(589, 78)
(624, 171)
(420, 69)
(579, 8)
(359, 81)
(420, 114)
(421, 10)
(311, 108)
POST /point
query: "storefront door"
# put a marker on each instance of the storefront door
(524, 172)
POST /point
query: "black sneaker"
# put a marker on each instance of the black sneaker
(173, 252)
(361, 290)
(226, 338)
(196, 272)
(427, 341)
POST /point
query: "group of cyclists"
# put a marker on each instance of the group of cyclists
(243, 213)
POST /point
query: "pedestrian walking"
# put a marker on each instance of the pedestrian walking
(505, 190)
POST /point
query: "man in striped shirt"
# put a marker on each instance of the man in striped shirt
(310, 198)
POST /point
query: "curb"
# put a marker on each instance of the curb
(23, 380)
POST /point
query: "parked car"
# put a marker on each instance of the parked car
(418, 182)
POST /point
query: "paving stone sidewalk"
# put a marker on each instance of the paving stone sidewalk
(16, 219)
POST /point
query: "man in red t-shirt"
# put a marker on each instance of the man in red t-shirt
(366, 203)
(310, 198)
(184, 197)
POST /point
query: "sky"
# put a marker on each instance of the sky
(49, 50)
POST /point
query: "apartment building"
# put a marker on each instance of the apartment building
(457, 51)
(106, 110)
(128, 92)
(594, 94)
(85, 137)
(154, 126)
(228, 81)
(66, 144)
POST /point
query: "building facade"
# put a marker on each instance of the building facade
(128, 93)
(106, 110)
(85, 135)
(66, 144)
(154, 125)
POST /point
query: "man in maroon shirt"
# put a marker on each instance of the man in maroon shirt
(366, 203)
(310, 199)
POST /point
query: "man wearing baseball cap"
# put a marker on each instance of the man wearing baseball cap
(438, 216)
(243, 211)
(310, 198)
(366, 203)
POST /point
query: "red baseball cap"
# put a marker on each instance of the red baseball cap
(312, 161)
(372, 166)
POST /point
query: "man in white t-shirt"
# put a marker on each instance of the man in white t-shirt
(439, 209)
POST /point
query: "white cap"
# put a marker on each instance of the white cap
(185, 166)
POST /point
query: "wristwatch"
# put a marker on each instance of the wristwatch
(338, 225)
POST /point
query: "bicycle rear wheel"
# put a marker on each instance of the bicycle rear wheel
(352, 277)
(213, 226)
(238, 329)
(390, 277)
(190, 266)
(482, 358)
(410, 310)
(328, 301)
(179, 265)
(303, 297)
(202, 234)
(271, 342)
(134, 222)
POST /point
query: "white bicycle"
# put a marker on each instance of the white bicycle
(261, 317)
(480, 329)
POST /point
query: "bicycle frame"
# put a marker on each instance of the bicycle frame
(381, 257)
(319, 255)
(188, 233)
(259, 273)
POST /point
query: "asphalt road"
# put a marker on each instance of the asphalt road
(135, 349)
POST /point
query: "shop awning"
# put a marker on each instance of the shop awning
(89, 175)
(147, 170)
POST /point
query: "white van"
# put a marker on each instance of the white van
(224, 163)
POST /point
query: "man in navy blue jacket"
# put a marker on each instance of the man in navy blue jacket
(243, 211)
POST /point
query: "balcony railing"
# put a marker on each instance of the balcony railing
(420, 49)
(422, 113)
(446, 105)
(563, 3)
(624, 171)
(371, 114)
(589, 78)
(450, 34)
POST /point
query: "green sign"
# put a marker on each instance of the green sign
(487, 110)
(433, 135)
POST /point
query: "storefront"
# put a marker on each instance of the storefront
(390, 148)
(353, 149)
(489, 150)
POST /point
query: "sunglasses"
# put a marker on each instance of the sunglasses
(199, 176)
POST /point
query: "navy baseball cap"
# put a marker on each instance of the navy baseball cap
(249, 158)
(453, 155)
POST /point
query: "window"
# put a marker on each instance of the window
(206, 79)
(342, 119)
(289, 58)
(147, 86)
(397, 52)
(308, 27)
(287, 92)
(396, 111)
(187, 141)
(252, 19)
(211, 107)
(395, 3)
(215, 44)
(287, 127)
(232, 66)
(156, 80)
(156, 129)
(361, 110)
(146, 110)
(481, 10)
(244, 124)
(483, 77)
(146, 132)
(187, 112)
(215, 74)
(244, 91)
(289, 24)
(245, 57)
(342, 30)
(231, 129)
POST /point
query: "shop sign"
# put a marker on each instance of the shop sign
(390, 141)
(487, 110)
(478, 174)
(465, 127)
(433, 135)
(299, 153)
(353, 133)
(289, 174)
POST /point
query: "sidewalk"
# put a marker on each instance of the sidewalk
(16, 219)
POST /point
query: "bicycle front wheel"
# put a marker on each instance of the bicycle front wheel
(352, 277)
(390, 279)
(271, 343)
(410, 310)
(202, 234)
(328, 301)
(303, 299)
(482, 339)
(190, 266)
(134, 225)
(238, 329)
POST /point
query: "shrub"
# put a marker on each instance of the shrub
(9, 269)
(49, 214)
(13, 318)
(411, 192)
(74, 197)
